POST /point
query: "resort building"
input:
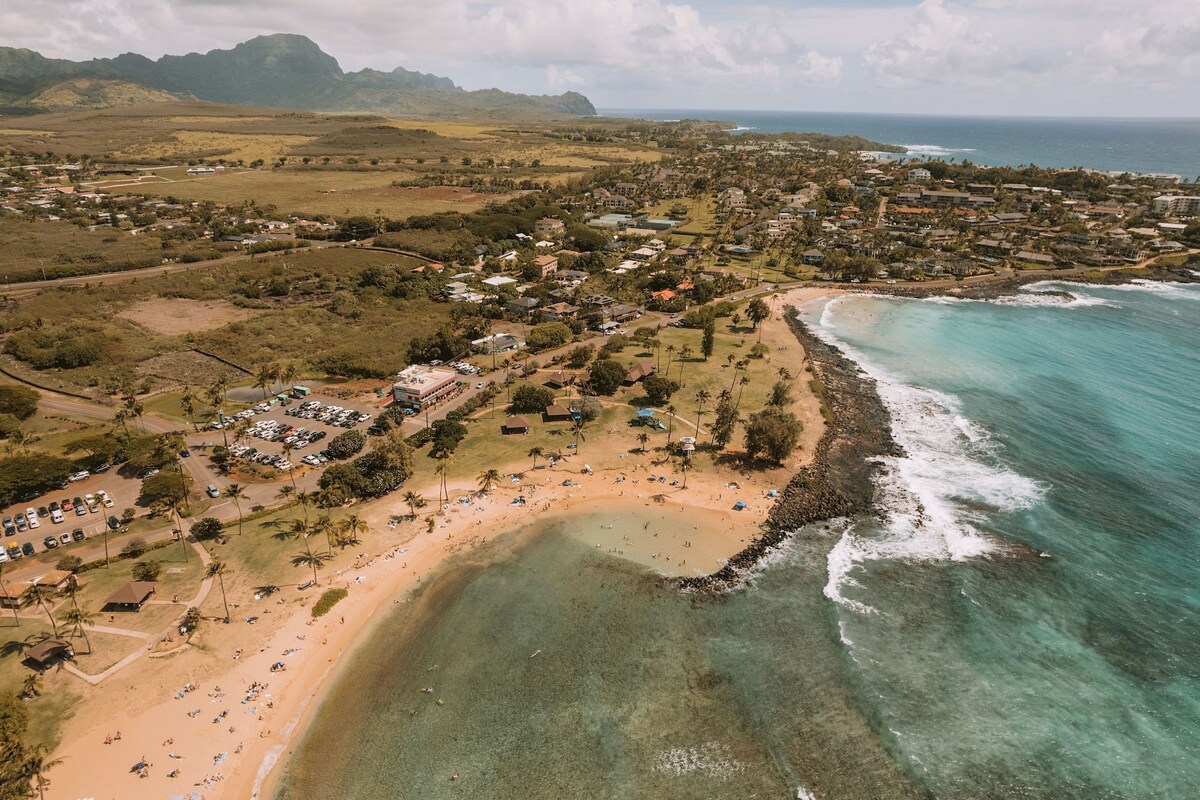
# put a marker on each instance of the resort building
(1174, 205)
(419, 385)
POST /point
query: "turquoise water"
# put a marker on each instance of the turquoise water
(1018, 620)
(1069, 425)
(1136, 145)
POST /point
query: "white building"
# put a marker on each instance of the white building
(918, 174)
(418, 385)
(1174, 205)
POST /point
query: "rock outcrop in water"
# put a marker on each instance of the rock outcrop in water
(839, 481)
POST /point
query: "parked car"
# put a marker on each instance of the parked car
(32, 518)
(57, 515)
(78, 535)
(80, 509)
(3, 555)
(212, 491)
(82, 475)
(10, 527)
(114, 523)
(50, 542)
(28, 548)
(22, 524)
(66, 504)
(64, 538)
(14, 553)
(105, 499)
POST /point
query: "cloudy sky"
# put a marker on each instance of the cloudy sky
(1035, 57)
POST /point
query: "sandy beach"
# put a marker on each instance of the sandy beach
(221, 722)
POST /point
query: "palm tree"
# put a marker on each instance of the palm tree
(414, 501)
(187, 402)
(310, 559)
(670, 423)
(443, 467)
(577, 429)
(22, 439)
(354, 525)
(684, 354)
(4, 588)
(79, 618)
(32, 685)
(702, 397)
(670, 353)
(684, 466)
(216, 568)
(286, 493)
(37, 763)
(287, 375)
(744, 382)
(264, 377)
(535, 453)
(642, 438)
(237, 494)
(324, 525)
(39, 593)
(488, 478)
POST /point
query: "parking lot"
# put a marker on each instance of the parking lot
(306, 425)
(85, 505)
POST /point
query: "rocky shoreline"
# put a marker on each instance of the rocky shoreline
(839, 481)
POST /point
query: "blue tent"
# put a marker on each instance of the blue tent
(739, 505)
(645, 413)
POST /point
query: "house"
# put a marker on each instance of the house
(550, 228)
(813, 257)
(556, 412)
(418, 386)
(522, 305)
(559, 311)
(638, 372)
(130, 596)
(663, 295)
(558, 380)
(496, 281)
(619, 312)
(47, 651)
(1035, 259)
(514, 425)
(547, 264)
(56, 580)
(497, 343)
(644, 253)
(919, 174)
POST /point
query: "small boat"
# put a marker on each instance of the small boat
(534, 653)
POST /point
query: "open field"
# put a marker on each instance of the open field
(29, 246)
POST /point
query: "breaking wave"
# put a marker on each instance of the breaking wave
(932, 498)
(934, 150)
(1177, 291)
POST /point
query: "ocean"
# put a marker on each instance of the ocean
(1017, 619)
(1109, 144)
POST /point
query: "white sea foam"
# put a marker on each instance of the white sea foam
(1029, 297)
(934, 150)
(1178, 291)
(928, 497)
(713, 760)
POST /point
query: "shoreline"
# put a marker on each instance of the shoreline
(839, 480)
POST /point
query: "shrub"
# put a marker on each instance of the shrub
(69, 563)
(134, 549)
(146, 570)
(659, 389)
(20, 401)
(345, 445)
(328, 600)
(207, 528)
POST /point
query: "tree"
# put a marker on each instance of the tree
(605, 376)
(353, 526)
(702, 397)
(80, 619)
(20, 401)
(528, 398)
(414, 501)
(207, 528)
(37, 763)
(670, 423)
(69, 563)
(708, 339)
(684, 353)
(216, 568)
(659, 389)
(547, 335)
(165, 488)
(237, 493)
(346, 445)
(441, 470)
(643, 438)
(488, 478)
(758, 311)
(577, 428)
(535, 453)
(579, 356)
(589, 408)
(724, 422)
(781, 395)
(187, 403)
(772, 432)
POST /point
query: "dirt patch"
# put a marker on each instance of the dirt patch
(450, 194)
(174, 316)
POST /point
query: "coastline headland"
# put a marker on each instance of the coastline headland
(838, 481)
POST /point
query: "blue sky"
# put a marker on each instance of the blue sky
(1033, 57)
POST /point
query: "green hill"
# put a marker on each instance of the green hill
(281, 71)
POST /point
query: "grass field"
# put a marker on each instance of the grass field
(28, 246)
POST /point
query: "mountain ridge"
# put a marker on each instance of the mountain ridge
(280, 70)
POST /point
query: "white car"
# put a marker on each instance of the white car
(32, 517)
(57, 515)
(82, 475)
(105, 499)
